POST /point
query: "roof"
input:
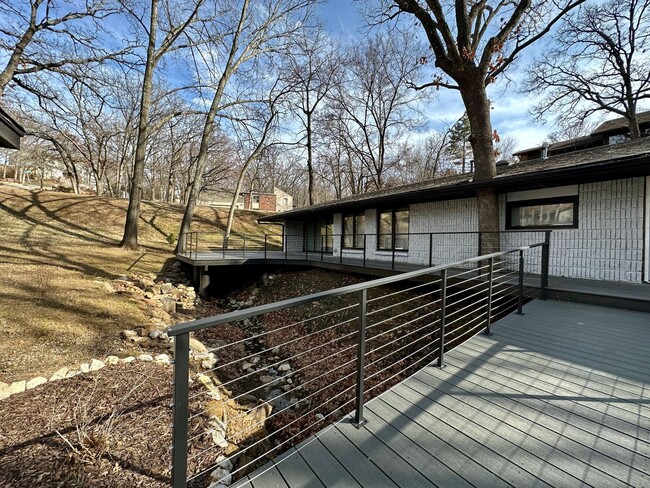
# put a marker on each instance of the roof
(576, 143)
(620, 123)
(10, 131)
(596, 164)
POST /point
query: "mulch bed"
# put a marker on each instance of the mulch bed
(110, 428)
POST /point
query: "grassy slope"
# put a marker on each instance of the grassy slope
(56, 250)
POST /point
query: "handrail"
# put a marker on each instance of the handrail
(238, 315)
(436, 333)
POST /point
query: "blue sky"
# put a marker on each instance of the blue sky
(510, 107)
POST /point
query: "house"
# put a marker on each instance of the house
(10, 131)
(277, 201)
(216, 198)
(609, 132)
(595, 201)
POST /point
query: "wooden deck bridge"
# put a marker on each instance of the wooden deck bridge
(557, 397)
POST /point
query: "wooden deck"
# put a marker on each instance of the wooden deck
(558, 397)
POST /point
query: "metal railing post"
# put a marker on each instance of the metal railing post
(341, 247)
(430, 249)
(520, 298)
(546, 248)
(443, 316)
(265, 241)
(480, 244)
(286, 246)
(364, 249)
(322, 247)
(488, 312)
(392, 264)
(359, 420)
(181, 418)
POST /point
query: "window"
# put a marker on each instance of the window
(318, 235)
(354, 226)
(393, 226)
(540, 214)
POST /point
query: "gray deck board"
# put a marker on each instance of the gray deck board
(557, 397)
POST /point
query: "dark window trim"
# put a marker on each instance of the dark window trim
(329, 221)
(355, 232)
(393, 211)
(542, 201)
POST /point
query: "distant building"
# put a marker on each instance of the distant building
(213, 198)
(278, 201)
(610, 132)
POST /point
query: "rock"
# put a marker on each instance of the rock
(221, 476)
(162, 358)
(218, 435)
(224, 463)
(145, 357)
(255, 359)
(206, 381)
(128, 359)
(163, 336)
(266, 378)
(168, 304)
(142, 331)
(72, 374)
(275, 351)
(96, 365)
(320, 416)
(17, 387)
(34, 382)
(209, 363)
(112, 359)
(197, 346)
(284, 367)
(84, 367)
(59, 374)
(216, 485)
(126, 334)
(246, 366)
(155, 334)
(248, 303)
(167, 287)
(286, 387)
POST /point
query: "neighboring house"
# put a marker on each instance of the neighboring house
(610, 132)
(596, 202)
(10, 131)
(213, 198)
(278, 201)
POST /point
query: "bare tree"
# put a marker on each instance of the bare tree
(253, 31)
(173, 24)
(313, 67)
(473, 43)
(50, 35)
(600, 62)
(375, 102)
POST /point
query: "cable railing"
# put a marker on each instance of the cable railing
(288, 369)
(398, 251)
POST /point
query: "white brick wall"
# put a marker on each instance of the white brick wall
(608, 245)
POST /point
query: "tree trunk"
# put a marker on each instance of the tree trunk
(310, 168)
(478, 112)
(130, 238)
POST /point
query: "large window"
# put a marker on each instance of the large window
(393, 229)
(318, 235)
(353, 229)
(542, 214)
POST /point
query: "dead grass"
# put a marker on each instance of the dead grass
(56, 252)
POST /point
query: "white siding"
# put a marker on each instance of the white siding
(293, 232)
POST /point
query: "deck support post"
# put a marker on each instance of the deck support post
(520, 294)
(181, 418)
(341, 248)
(265, 241)
(244, 251)
(322, 247)
(286, 247)
(364, 249)
(359, 420)
(488, 312)
(443, 317)
(430, 249)
(204, 281)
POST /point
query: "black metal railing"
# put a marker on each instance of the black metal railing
(283, 371)
(421, 248)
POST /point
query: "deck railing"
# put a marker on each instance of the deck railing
(313, 359)
(418, 248)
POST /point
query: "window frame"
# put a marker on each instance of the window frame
(393, 211)
(543, 201)
(355, 231)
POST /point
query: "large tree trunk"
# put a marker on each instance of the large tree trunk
(310, 167)
(130, 238)
(478, 112)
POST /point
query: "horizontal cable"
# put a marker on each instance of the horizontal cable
(284, 360)
(279, 378)
(475, 303)
(388, 307)
(258, 353)
(230, 458)
(451, 331)
(291, 405)
(408, 322)
(284, 327)
(402, 371)
(387, 295)
(431, 343)
(482, 324)
(420, 307)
